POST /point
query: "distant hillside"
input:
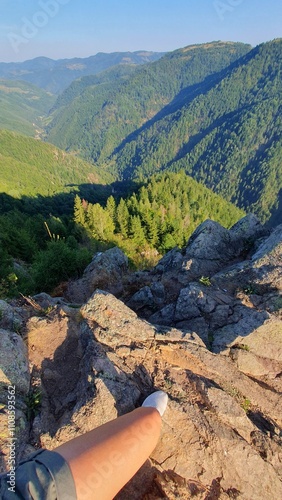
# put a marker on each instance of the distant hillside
(30, 167)
(114, 75)
(22, 105)
(228, 136)
(94, 117)
(55, 76)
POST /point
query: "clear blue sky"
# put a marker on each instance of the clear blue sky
(79, 28)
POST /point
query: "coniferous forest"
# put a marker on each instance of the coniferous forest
(136, 156)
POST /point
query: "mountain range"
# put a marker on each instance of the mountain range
(116, 193)
(212, 110)
(55, 75)
(95, 117)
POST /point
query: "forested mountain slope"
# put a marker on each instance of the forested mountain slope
(54, 236)
(229, 136)
(30, 167)
(161, 214)
(55, 76)
(110, 76)
(22, 106)
(100, 117)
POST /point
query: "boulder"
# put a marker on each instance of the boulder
(261, 273)
(142, 298)
(208, 249)
(245, 233)
(106, 271)
(14, 389)
(213, 439)
(14, 362)
(172, 261)
(242, 322)
(11, 318)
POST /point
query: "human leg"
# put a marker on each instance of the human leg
(103, 460)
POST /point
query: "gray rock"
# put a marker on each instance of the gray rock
(271, 248)
(210, 241)
(207, 250)
(45, 301)
(148, 297)
(158, 291)
(205, 301)
(242, 322)
(106, 272)
(142, 298)
(245, 232)
(198, 326)
(220, 317)
(164, 317)
(11, 318)
(171, 261)
(212, 246)
(267, 261)
(262, 272)
(187, 304)
(14, 362)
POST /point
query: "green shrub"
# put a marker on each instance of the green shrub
(58, 263)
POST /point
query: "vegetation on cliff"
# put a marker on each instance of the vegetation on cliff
(49, 249)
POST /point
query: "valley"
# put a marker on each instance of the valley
(138, 152)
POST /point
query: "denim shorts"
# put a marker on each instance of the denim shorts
(44, 475)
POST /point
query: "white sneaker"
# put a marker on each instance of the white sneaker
(157, 400)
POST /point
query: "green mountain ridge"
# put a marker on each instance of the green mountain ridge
(75, 89)
(56, 75)
(101, 116)
(213, 110)
(228, 137)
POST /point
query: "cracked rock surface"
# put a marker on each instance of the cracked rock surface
(215, 349)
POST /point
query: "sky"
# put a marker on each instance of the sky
(79, 28)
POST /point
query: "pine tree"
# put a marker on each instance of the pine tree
(122, 218)
(79, 212)
(136, 231)
(111, 208)
(100, 222)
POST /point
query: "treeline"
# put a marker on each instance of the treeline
(161, 215)
(38, 251)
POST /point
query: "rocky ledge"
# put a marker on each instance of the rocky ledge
(205, 326)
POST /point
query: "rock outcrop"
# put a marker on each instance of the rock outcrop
(106, 271)
(207, 329)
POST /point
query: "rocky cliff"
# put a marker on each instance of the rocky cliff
(205, 326)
